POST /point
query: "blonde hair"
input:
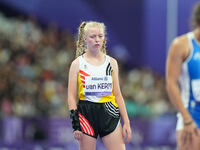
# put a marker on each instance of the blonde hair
(83, 28)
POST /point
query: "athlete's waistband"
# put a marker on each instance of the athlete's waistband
(100, 102)
(91, 102)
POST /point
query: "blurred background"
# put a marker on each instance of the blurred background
(37, 45)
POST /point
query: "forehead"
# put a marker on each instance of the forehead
(95, 30)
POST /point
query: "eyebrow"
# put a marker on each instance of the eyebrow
(96, 34)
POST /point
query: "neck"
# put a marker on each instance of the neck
(94, 53)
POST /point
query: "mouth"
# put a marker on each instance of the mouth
(97, 45)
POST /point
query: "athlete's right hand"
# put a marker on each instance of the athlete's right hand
(77, 135)
(189, 132)
(127, 133)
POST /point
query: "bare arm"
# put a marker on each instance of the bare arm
(72, 85)
(120, 101)
(177, 54)
(117, 92)
(72, 93)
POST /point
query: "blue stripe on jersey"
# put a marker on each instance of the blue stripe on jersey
(194, 74)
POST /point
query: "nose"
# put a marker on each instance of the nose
(97, 39)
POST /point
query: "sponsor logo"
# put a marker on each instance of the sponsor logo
(197, 56)
(96, 78)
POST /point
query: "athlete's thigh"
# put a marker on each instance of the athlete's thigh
(114, 140)
(195, 142)
(87, 143)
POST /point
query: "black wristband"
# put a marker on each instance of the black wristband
(75, 120)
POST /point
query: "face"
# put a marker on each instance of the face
(94, 38)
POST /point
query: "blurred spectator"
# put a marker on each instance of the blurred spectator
(33, 63)
(145, 93)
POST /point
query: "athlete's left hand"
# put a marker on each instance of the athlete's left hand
(127, 133)
(190, 132)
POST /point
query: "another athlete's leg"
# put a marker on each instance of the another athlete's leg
(87, 143)
(114, 140)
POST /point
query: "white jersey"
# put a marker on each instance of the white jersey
(95, 82)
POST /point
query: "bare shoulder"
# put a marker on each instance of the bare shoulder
(181, 41)
(113, 62)
(180, 46)
(75, 65)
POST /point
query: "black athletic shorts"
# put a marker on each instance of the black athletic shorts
(98, 118)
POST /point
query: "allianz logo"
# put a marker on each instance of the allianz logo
(97, 78)
(100, 78)
(197, 55)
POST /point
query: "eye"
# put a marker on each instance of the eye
(92, 36)
(100, 36)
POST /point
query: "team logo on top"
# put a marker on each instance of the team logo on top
(197, 56)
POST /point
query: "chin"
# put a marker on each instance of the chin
(97, 47)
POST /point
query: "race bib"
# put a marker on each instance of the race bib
(196, 89)
(98, 86)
